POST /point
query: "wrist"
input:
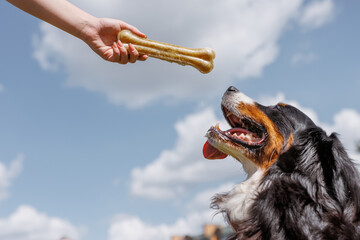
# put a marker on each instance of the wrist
(88, 28)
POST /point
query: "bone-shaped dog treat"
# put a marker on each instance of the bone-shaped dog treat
(200, 58)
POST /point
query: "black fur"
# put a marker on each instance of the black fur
(311, 192)
(314, 193)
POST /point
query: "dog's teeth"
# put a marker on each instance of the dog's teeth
(247, 136)
(251, 137)
(228, 114)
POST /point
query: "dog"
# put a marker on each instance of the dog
(301, 183)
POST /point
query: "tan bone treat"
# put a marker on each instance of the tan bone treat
(200, 58)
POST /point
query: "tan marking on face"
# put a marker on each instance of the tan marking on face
(275, 140)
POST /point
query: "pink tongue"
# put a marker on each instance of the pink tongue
(210, 152)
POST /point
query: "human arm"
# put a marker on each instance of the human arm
(99, 33)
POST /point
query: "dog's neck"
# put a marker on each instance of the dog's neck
(237, 202)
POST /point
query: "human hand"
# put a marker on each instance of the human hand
(101, 36)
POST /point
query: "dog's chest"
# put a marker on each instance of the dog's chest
(238, 201)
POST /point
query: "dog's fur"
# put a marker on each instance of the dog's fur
(301, 183)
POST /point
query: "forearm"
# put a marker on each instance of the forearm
(60, 13)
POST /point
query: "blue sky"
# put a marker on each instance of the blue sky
(96, 150)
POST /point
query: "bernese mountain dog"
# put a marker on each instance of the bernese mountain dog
(301, 183)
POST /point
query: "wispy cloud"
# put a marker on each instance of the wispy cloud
(317, 13)
(8, 174)
(303, 58)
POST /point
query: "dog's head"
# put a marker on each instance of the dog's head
(259, 134)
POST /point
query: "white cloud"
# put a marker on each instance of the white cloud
(26, 223)
(198, 214)
(317, 13)
(131, 227)
(175, 170)
(8, 174)
(244, 42)
(347, 124)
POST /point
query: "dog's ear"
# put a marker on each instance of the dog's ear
(315, 154)
(326, 156)
(328, 161)
(305, 151)
(346, 175)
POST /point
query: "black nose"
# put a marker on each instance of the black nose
(232, 89)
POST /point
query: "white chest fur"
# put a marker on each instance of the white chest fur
(238, 201)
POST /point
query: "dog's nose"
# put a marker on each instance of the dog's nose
(232, 89)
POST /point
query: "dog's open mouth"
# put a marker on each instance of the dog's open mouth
(245, 133)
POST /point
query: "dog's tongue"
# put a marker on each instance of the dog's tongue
(210, 152)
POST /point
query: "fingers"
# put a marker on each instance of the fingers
(143, 57)
(133, 53)
(123, 56)
(123, 59)
(116, 55)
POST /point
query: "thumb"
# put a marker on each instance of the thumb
(133, 29)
